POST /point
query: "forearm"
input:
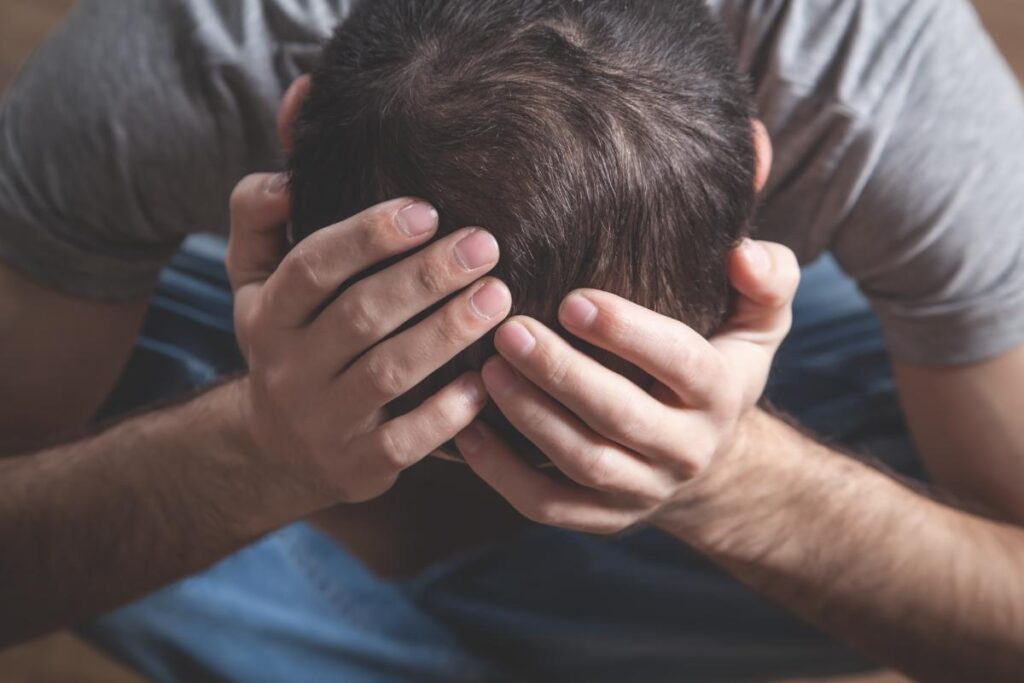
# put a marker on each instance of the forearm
(929, 589)
(92, 524)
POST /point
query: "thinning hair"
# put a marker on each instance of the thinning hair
(605, 144)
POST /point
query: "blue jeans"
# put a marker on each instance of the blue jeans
(549, 605)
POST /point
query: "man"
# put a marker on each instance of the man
(602, 145)
(868, 104)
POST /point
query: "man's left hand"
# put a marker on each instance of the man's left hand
(629, 454)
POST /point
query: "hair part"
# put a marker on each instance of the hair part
(605, 144)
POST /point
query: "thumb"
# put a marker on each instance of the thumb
(259, 210)
(765, 276)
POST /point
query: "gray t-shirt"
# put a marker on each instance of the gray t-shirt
(898, 132)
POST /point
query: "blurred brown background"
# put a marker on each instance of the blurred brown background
(61, 658)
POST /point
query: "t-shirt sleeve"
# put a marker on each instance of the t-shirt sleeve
(128, 129)
(934, 234)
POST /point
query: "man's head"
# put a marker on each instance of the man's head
(605, 144)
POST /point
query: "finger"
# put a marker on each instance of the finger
(256, 244)
(393, 367)
(604, 400)
(766, 275)
(407, 439)
(532, 493)
(666, 349)
(259, 209)
(377, 305)
(580, 453)
(311, 274)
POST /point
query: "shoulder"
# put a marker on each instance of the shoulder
(839, 83)
(131, 123)
(847, 51)
(897, 127)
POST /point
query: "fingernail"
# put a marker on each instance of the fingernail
(416, 219)
(499, 378)
(489, 301)
(275, 183)
(477, 249)
(514, 339)
(755, 254)
(578, 311)
(470, 439)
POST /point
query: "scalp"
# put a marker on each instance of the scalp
(605, 144)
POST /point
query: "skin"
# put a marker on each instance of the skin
(99, 521)
(44, 320)
(925, 587)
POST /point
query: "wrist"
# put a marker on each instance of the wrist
(268, 493)
(236, 410)
(740, 483)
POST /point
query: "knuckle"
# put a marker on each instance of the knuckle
(303, 267)
(597, 471)
(390, 449)
(701, 461)
(239, 198)
(272, 301)
(698, 454)
(275, 385)
(454, 411)
(629, 423)
(433, 276)
(557, 368)
(690, 363)
(656, 492)
(452, 327)
(544, 512)
(376, 225)
(251, 321)
(356, 316)
(731, 399)
(383, 377)
(781, 289)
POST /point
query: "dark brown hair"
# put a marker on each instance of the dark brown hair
(605, 143)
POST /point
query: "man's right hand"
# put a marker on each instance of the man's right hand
(323, 365)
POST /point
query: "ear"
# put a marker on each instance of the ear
(289, 110)
(763, 155)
